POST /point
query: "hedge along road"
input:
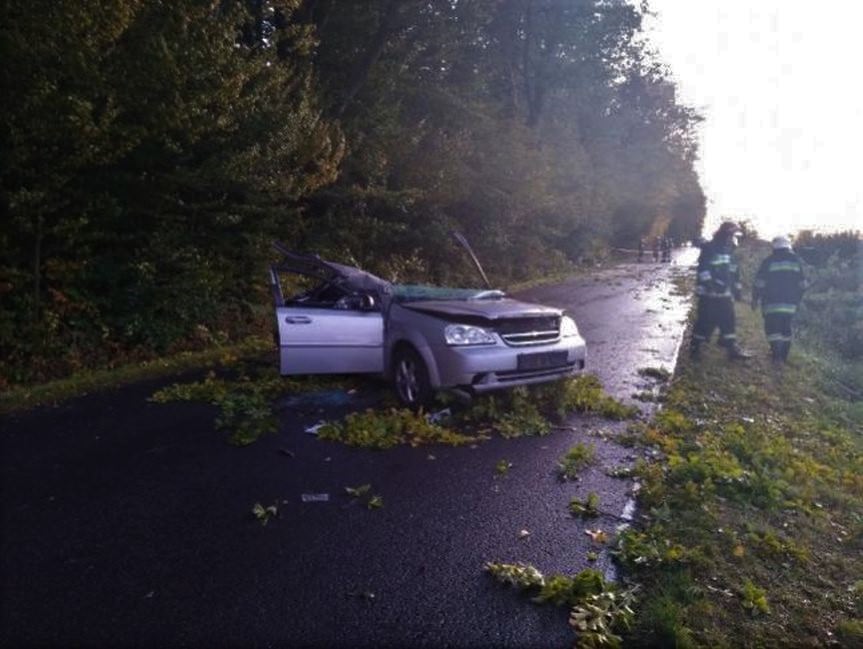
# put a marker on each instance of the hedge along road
(128, 523)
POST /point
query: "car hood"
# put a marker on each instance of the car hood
(500, 309)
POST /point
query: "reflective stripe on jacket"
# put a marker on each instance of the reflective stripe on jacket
(717, 271)
(779, 283)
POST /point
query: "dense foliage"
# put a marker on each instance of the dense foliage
(832, 312)
(152, 150)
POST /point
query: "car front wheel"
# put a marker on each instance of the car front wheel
(411, 378)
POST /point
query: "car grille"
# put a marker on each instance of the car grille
(529, 331)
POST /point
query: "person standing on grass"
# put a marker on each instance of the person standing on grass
(779, 287)
(718, 286)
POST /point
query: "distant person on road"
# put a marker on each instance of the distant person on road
(656, 245)
(718, 286)
(666, 249)
(641, 249)
(779, 287)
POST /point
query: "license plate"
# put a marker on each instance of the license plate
(541, 361)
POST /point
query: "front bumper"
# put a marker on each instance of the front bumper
(483, 368)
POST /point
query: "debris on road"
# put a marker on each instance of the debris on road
(264, 514)
(440, 416)
(314, 428)
(315, 498)
(373, 501)
(597, 535)
(587, 508)
(358, 492)
(657, 373)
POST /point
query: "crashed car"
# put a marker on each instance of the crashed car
(422, 338)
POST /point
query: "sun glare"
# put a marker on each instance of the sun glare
(781, 140)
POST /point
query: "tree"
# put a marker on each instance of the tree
(150, 150)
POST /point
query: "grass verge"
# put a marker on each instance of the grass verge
(752, 505)
(25, 397)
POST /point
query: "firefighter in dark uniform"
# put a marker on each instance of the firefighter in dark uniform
(779, 287)
(718, 286)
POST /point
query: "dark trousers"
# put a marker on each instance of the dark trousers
(777, 327)
(715, 312)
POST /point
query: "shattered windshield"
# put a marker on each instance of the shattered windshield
(422, 292)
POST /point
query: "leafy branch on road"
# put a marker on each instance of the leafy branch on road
(589, 507)
(246, 410)
(599, 609)
(575, 459)
(245, 403)
(522, 411)
(264, 514)
(382, 429)
(363, 494)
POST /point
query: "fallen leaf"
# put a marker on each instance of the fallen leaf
(356, 492)
(597, 535)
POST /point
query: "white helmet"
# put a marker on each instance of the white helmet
(781, 243)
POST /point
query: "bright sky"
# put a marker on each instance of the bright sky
(780, 87)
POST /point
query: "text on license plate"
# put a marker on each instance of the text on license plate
(541, 361)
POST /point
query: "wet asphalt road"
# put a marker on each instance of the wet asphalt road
(127, 523)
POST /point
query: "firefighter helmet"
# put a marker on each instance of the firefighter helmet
(781, 243)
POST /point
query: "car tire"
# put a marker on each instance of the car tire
(411, 378)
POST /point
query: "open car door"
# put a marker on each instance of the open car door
(336, 325)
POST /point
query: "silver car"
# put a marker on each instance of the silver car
(422, 338)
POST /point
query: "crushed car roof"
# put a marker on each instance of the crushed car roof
(328, 271)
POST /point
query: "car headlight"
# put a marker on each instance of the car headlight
(568, 328)
(456, 334)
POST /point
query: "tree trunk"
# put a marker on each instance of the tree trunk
(513, 17)
(37, 269)
(360, 73)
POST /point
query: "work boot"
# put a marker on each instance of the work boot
(737, 353)
(783, 352)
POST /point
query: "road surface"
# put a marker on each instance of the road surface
(127, 523)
